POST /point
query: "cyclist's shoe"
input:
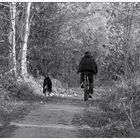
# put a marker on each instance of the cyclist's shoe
(82, 85)
(90, 95)
(49, 93)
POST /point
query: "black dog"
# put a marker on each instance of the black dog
(47, 85)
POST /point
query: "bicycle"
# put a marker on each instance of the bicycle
(86, 86)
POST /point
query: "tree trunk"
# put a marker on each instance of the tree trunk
(25, 41)
(127, 38)
(12, 37)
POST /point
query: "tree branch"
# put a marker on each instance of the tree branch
(130, 119)
(4, 57)
(5, 19)
(5, 5)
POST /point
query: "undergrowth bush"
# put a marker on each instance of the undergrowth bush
(14, 90)
(125, 98)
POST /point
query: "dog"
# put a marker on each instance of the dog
(47, 85)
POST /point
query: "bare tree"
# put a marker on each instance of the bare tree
(25, 41)
(12, 36)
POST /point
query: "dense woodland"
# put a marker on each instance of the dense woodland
(52, 37)
(39, 38)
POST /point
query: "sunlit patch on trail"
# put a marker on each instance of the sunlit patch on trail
(55, 126)
(58, 89)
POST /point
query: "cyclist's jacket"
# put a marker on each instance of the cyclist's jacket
(87, 64)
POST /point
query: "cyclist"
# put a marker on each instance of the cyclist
(87, 64)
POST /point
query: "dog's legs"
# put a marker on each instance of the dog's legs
(49, 93)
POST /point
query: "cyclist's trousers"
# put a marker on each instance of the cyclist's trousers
(90, 76)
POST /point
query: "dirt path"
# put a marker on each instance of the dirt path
(59, 117)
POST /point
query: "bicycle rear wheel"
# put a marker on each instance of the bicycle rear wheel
(85, 95)
(86, 89)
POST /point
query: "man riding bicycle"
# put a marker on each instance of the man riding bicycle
(88, 65)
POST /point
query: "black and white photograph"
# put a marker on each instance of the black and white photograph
(69, 69)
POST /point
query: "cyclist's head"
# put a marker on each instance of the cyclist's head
(87, 53)
(46, 74)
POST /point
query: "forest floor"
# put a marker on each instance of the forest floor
(66, 116)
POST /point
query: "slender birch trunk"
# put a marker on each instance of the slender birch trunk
(12, 37)
(128, 28)
(25, 41)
